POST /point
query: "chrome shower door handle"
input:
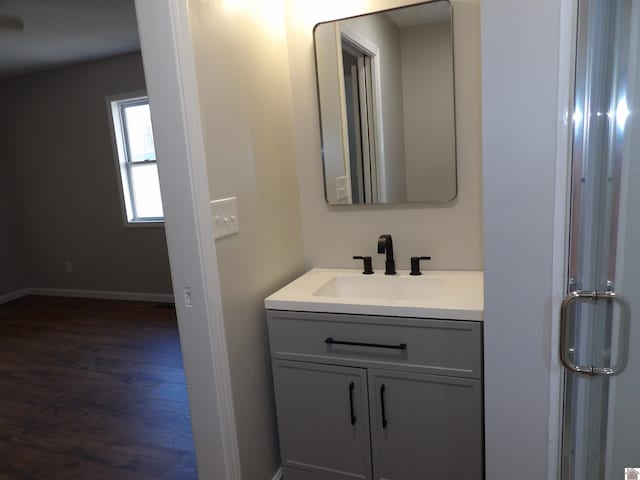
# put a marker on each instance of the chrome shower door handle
(623, 335)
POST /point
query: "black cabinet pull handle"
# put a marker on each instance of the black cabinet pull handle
(384, 411)
(331, 341)
(353, 417)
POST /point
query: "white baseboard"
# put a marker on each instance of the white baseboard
(102, 294)
(279, 475)
(7, 297)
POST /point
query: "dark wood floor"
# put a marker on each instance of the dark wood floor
(92, 390)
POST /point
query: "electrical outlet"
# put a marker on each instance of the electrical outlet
(68, 266)
(187, 297)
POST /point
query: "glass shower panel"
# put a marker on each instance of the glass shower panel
(623, 447)
(606, 58)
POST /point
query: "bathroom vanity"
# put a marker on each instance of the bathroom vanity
(378, 377)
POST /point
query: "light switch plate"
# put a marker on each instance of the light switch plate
(224, 213)
(342, 188)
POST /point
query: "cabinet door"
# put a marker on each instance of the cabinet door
(323, 419)
(425, 426)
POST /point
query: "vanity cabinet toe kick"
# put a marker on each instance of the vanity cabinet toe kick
(374, 397)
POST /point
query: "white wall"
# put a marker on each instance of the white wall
(519, 94)
(451, 234)
(243, 76)
(58, 138)
(429, 122)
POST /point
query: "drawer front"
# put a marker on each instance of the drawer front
(438, 347)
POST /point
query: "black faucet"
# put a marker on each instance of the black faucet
(385, 245)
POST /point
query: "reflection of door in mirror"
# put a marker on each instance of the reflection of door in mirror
(359, 108)
(386, 99)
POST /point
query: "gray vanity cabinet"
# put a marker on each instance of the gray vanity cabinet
(323, 418)
(381, 398)
(425, 426)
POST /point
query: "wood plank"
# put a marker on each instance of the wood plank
(92, 389)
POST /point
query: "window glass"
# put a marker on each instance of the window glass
(146, 190)
(139, 133)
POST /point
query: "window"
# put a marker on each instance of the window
(136, 159)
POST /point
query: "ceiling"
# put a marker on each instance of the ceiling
(420, 14)
(59, 32)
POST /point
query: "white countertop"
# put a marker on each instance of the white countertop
(455, 295)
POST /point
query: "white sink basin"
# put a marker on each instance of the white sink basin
(417, 288)
(435, 294)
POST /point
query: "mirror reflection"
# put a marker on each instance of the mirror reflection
(386, 95)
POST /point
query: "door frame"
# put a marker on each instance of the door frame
(373, 51)
(562, 226)
(168, 58)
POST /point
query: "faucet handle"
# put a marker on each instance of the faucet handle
(415, 265)
(368, 268)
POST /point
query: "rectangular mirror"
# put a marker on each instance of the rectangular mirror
(387, 112)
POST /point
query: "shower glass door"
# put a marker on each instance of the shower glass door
(600, 333)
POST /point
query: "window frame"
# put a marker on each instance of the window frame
(116, 105)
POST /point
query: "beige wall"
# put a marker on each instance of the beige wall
(428, 117)
(242, 70)
(451, 234)
(59, 140)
